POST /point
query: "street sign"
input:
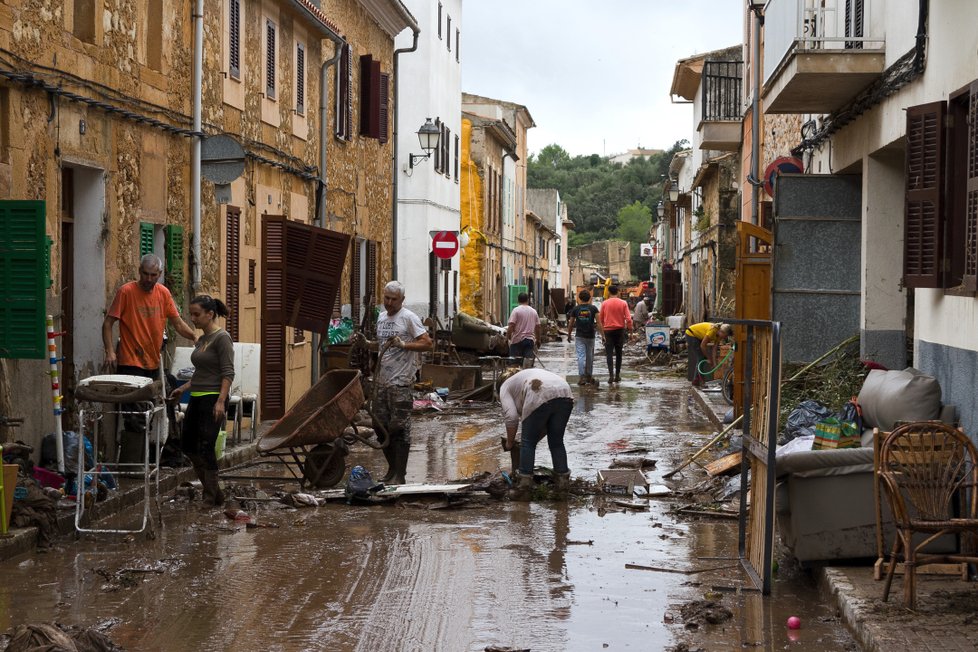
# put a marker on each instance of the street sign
(222, 159)
(445, 244)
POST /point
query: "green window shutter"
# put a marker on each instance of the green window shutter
(145, 238)
(25, 271)
(174, 262)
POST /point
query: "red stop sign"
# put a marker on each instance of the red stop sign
(444, 244)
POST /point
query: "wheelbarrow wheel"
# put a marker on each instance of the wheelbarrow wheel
(323, 467)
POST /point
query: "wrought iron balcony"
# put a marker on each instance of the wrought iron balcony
(721, 111)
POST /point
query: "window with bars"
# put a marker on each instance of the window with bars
(457, 149)
(437, 151)
(446, 148)
(300, 79)
(457, 37)
(344, 98)
(270, 59)
(941, 201)
(448, 32)
(439, 19)
(234, 38)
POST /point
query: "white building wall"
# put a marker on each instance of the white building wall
(429, 87)
(874, 144)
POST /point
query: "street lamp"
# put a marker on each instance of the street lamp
(674, 194)
(428, 135)
(660, 209)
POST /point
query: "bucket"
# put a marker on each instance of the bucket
(222, 438)
(9, 487)
(657, 336)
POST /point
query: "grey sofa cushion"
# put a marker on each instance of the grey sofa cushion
(887, 397)
(822, 463)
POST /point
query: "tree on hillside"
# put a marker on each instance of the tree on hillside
(634, 222)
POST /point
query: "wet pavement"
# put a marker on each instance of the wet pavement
(542, 576)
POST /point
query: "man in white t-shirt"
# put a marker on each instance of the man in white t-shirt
(395, 376)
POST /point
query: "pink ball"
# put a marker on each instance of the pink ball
(794, 622)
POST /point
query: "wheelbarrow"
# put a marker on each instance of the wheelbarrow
(314, 436)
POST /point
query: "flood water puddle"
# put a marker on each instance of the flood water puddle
(588, 574)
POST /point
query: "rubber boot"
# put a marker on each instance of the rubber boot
(401, 451)
(198, 464)
(212, 489)
(562, 484)
(391, 464)
(523, 489)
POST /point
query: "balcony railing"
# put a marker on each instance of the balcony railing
(722, 83)
(816, 25)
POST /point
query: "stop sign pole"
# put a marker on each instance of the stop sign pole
(444, 244)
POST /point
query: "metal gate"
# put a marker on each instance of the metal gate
(817, 261)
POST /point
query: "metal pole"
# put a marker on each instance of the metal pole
(755, 120)
(198, 18)
(56, 393)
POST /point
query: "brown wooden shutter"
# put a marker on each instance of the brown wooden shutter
(923, 246)
(344, 99)
(314, 267)
(272, 317)
(233, 269)
(355, 289)
(970, 280)
(371, 292)
(365, 61)
(383, 107)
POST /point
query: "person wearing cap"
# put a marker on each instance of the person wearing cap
(539, 402)
(703, 340)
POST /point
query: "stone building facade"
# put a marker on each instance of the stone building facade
(95, 120)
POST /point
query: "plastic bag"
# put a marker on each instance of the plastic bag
(852, 413)
(360, 484)
(803, 419)
(69, 442)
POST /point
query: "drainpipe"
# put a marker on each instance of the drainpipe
(397, 105)
(755, 118)
(198, 18)
(320, 219)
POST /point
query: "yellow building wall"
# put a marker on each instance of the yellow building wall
(473, 260)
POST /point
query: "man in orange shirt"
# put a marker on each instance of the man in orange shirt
(142, 309)
(616, 322)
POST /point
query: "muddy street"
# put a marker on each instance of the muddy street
(541, 576)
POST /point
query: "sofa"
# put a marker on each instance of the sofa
(824, 500)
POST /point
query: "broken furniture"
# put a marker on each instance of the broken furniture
(471, 333)
(315, 434)
(929, 472)
(137, 399)
(825, 498)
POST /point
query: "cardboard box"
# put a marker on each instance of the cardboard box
(621, 482)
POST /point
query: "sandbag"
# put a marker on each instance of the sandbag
(890, 396)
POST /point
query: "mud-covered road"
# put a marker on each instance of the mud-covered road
(540, 576)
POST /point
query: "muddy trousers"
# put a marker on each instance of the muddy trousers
(198, 440)
(550, 421)
(614, 343)
(392, 411)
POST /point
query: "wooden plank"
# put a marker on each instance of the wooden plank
(961, 570)
(724, 464)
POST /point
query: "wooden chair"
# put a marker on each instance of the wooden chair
(926, 468)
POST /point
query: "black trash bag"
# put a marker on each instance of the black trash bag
(803, 419)
(851, 412)
(69, 441)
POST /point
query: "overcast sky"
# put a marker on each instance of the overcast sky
(594, 74)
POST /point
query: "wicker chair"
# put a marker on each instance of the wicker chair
(926, 467)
